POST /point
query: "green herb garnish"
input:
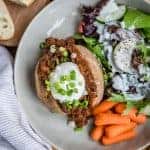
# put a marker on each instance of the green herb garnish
(48, 85)
(77, 103)
(65, 78)
(42, 45)
(61, 91)
(65, 53)
(145, 50)
(84, 104)
(78, 129)
(69, 92)
(72, 75)
(72, 85)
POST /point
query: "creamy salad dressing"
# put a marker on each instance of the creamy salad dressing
(120, 60)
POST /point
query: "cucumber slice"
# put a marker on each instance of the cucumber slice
(100, 27)
(122, 55)
(111, 12)
(145, 110)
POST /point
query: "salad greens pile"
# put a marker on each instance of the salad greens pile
(143, 106)
(135, 19)
(103, 29)
(80, 104)
(95, 47)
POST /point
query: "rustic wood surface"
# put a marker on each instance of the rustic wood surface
(21, 17)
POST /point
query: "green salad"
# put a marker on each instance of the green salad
(119, 37)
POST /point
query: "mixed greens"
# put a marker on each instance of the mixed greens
(119, 37)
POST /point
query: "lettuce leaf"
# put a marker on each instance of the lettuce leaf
(145, 50)
(95, 47)
(143, 106)
(146, 32)
(135, 19)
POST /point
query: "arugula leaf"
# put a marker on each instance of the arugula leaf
(95, 47)
(135, 19)
(145, 50)
(146, 32)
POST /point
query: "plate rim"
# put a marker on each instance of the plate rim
(51, 4)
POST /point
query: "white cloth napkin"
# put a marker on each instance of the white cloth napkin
(15, 131)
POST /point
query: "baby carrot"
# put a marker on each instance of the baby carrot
(119, 108)
(133, 112)
(97, 133)
(140, 118)
(115, 130)
(109, 112)
(123, 137)
(110, 119)
(103, 107)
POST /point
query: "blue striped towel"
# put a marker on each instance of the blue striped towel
(15, 131)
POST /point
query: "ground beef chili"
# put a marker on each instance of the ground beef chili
(50, 60)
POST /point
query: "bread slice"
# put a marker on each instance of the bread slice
(23, 2)
(84, 57)
(7, 28)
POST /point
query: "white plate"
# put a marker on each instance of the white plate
(59, 19)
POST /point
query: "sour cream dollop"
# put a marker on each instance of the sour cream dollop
(67, 82)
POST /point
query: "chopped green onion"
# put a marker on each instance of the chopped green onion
(62, 49)
(69, 92)
(65, 78)
(84, 104)
(48, 85)
(42, 45)
(72, 84)
(65, 53)
(78, 129)
(61, 91)
(72, 75)
(57, 86)
(69, 104)
(76, 103)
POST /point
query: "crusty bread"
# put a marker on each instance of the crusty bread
(91, 62)
(22, 16)
(6, 24)
(23, 2)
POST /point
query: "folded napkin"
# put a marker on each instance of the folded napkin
(15, 131)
